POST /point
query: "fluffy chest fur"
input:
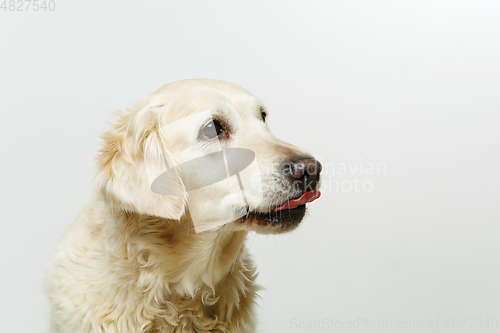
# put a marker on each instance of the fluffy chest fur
(131, 273)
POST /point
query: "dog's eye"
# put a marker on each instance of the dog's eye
(263, 115)
(211, 130)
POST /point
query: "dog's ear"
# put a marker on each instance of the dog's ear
(132, 155)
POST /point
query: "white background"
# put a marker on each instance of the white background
(413, 85)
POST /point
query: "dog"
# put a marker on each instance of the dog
(133, 260)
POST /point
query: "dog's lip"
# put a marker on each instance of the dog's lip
(307, 197)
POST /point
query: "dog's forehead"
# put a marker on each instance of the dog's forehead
(188, 97)
(199, 89)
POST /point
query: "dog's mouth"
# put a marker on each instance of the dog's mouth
(307, 197)
(285, 216)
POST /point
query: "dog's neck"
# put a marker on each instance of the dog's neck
(180, 258)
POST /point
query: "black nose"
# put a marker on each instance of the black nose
(305, 173)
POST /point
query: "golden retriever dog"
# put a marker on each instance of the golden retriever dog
(160, 247)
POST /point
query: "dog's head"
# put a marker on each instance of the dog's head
(202, 149)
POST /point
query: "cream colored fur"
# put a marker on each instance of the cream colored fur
(132, 262)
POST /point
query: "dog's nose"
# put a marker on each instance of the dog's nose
(305, 173)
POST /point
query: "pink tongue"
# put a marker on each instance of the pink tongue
(309, 196)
